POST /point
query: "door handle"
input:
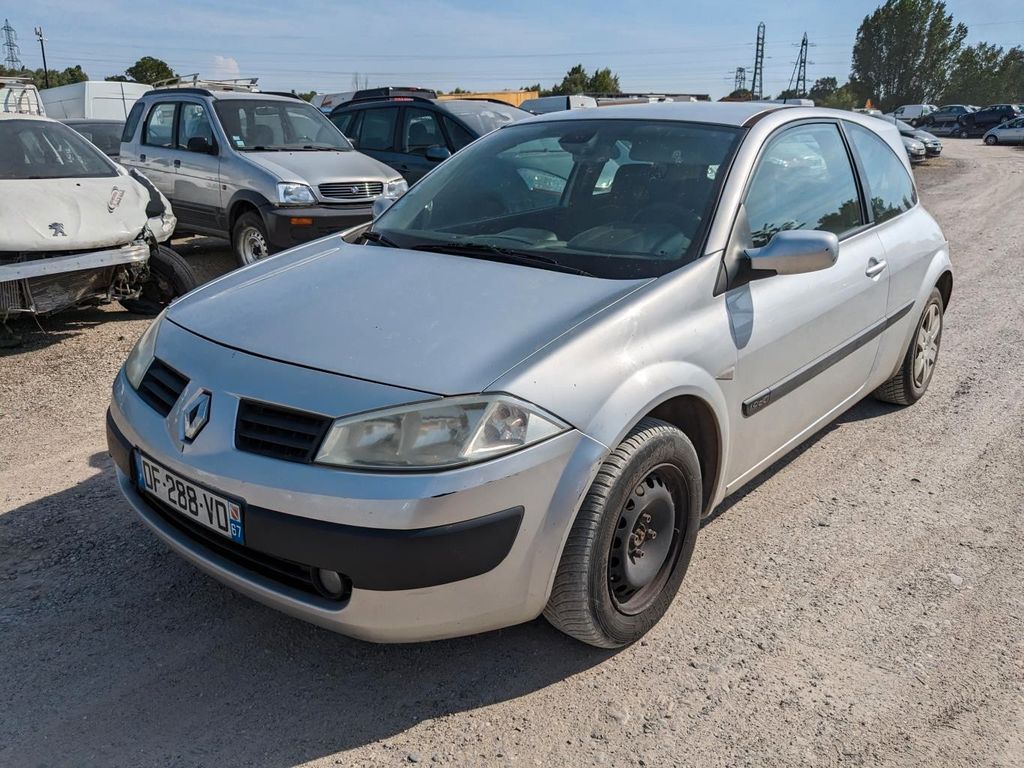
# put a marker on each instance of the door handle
(177, 164)
(142, 157)
(875, 267)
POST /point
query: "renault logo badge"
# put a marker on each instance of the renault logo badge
(194, 416)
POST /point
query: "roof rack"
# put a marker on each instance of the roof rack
(195, 81)
(289, 94)
(19, 95)
(393, 91)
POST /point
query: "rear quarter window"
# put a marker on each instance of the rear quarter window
(889, 186)
(133, 122)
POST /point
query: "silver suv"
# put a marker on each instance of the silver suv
(267, 171)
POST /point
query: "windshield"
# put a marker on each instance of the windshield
(614, 198)
(268, 125)
(37, 149)
(485, 116)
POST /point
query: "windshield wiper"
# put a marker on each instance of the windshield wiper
(497, 253)
(377, 237)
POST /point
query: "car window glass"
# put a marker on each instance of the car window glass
(378, 129)
(421, 131)
(343, 122)
(133, 121)
(159, 130)
(890, 188)
(106, 137)
(459, 136)
(37, 149)
(195, 123)
(803, 181)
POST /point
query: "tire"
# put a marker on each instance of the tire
(963, 133)
(170, 276)
(249, 239)
(611, 601)
(908, 384)
(991, 140)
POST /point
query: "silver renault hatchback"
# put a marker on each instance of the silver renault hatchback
(521, 388)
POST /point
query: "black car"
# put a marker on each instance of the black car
(412, 133)
(105, 135)
(978, 123)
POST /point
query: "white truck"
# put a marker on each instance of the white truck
(93, 99)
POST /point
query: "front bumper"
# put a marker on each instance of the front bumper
(135, 253)
(317, 221)
(428, 555)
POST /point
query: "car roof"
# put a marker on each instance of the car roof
(737, 113)
(221, 95)
(91, 121)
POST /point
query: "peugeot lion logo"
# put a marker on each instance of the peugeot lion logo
(195, 416)
(58, 229)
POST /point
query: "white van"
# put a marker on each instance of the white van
(913, 113)
(546, 104)
(93, 99)
(325, 102)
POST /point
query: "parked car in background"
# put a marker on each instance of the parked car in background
(915, 114)
(932, 146)
(412, 134)
(93, 99)
(264, 171)
(104, 134)
(77, 228)
(915, 149)
(980, 122)
(516, 399)
(19, 95)
(946, 120)
(545, 104)
(1010, 132)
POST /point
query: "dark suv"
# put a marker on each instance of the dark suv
(412, 133)
(978, 123)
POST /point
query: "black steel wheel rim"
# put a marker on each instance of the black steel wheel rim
(647, 538)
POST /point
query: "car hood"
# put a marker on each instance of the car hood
(315, 168)
(925, 137)
(431, 322)
(91, 213)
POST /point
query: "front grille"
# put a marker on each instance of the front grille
(161, 386)
(352, 190)
(280, 433)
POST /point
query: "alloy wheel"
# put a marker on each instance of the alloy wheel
(927, 349)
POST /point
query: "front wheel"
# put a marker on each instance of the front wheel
(632, 540)
(170, 276)
(991, 140)
(249, 239)
(915, 374)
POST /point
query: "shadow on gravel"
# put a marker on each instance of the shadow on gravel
(115, 652)
(63, 325)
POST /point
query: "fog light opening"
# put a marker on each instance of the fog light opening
(330, 584)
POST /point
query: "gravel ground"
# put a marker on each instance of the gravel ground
(859, 604)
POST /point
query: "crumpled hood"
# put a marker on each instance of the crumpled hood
(315, 168)
(70, 214)
(431, 322)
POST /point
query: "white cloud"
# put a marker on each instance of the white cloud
(224, 68)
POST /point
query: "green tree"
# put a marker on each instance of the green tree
(576, 80)
(976, 78)
(306, 95)
(740, 94)
(57, 77)
(824, 88)
(904, 52)
(1012, 71)
(146, 70)
(604, 81)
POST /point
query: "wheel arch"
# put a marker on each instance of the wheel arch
(242, 202)
(945, 286)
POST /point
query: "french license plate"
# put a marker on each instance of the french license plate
(209, 509)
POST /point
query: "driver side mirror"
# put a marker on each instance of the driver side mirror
(437, 154)
(202, 145)
(795, 251)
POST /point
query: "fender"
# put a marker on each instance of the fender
(245, 196)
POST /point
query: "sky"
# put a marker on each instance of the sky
(324, 45)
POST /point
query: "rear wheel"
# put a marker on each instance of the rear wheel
(912, 379)
(249, 239)
(170, 276)
(963, 133)
(632, 540)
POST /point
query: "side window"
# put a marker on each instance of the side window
(889, 186)
(159, 130)
(459, 136)
(195, 123)
(378, 129)
(421, 131)
(344, 122)
(803, 180)
(133, 122)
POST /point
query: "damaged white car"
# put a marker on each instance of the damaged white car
(76, 228)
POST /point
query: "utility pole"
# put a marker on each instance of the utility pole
(757, 84)
(801, 75)
(12, 58)
(740, 83)
(42, 47)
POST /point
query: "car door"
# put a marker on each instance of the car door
(421, 132)
(1014, 131)
(376, 134)
(197, 185)
(806, 343)
(156, 149)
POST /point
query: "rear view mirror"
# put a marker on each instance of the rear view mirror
(202, 145)
(437, 154)
(795, 251)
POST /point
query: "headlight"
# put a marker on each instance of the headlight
(395, 189)
(294, 194)
(141, 356)
(444, 433)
